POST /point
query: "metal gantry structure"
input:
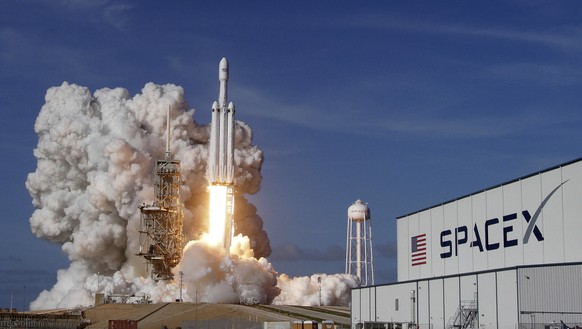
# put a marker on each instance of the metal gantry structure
(161, 234)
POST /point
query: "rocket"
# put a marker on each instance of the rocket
(220, 170)
(221, 157)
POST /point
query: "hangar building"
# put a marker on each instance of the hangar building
(509, 256)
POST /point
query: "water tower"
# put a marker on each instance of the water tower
(359, 258)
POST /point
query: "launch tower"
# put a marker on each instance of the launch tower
(359, 257)
(161, 237)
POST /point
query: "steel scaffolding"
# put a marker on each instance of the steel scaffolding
(161, 237)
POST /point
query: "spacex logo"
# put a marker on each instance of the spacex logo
(451, 240)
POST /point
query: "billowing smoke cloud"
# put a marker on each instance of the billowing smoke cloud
(305, 289)
(95, 167)
(214, 277)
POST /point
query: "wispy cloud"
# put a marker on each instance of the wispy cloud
(565, 38)
(387, 249)
(304, 115)
(18, 49)
(291, 252)
(417, 122)
(83, 4)
(16, 273)
(111, 12)
(545, 74)
(115, 14)
(452, 127)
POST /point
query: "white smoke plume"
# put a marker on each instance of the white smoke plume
(306, 290)
(96, 156)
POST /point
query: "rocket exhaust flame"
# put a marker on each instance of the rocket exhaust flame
(217, 214)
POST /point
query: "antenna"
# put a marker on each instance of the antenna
(168, 132)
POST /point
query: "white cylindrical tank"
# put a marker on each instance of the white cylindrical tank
(359, 211)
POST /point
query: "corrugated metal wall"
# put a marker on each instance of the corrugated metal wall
(550, 293)
(524, 297)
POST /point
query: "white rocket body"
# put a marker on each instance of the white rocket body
(221, 157)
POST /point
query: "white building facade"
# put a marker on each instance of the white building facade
(504, 257)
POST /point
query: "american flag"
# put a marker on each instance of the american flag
(418, 250)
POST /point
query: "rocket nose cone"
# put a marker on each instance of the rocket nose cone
(223, 69)
(215, 105)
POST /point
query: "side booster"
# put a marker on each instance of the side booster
(221, 157)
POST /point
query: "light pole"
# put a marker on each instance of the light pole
(319, 283)
(181, 277)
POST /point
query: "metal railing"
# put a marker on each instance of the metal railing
(464, 316)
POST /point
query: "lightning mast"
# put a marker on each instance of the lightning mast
(161, 237)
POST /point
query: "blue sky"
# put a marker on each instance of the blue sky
(403, 104)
